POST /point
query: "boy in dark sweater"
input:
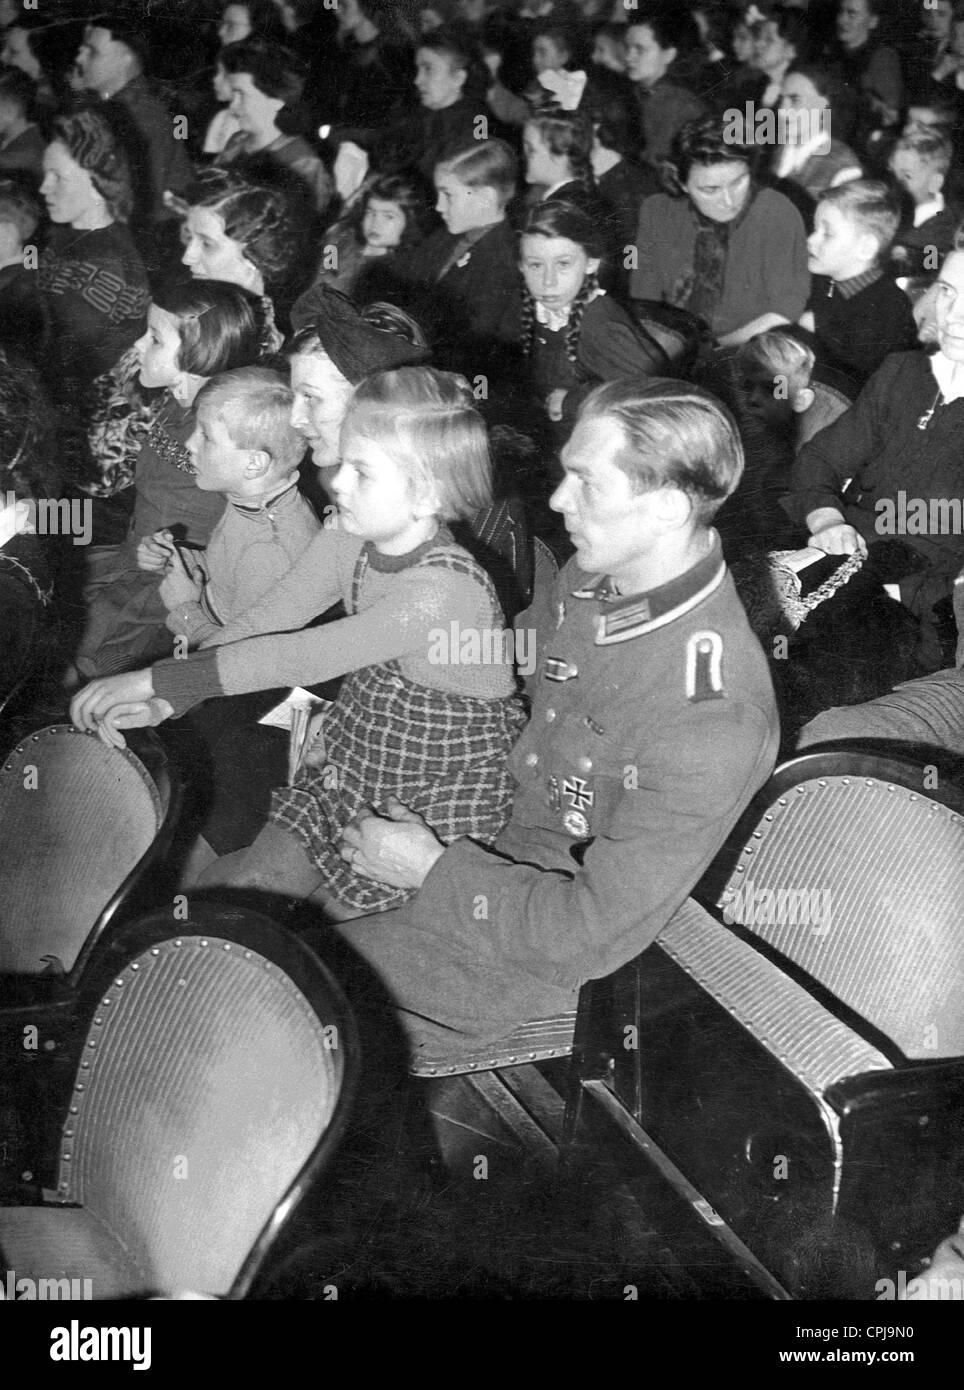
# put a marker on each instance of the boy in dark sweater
(857, 313)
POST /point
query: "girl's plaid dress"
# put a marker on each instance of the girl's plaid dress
(443, 755)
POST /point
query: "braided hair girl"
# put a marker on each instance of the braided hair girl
(558, 146)
(573, 334)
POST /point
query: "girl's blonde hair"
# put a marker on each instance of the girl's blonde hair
(427, 421)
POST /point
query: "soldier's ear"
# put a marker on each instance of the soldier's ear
(672, 507)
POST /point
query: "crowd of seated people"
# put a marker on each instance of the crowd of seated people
(673, 290)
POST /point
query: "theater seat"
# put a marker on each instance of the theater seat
(80, 824)
(795, 1052)
(213, 1082)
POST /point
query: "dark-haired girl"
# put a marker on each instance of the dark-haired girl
(574, 335)
(391, 216)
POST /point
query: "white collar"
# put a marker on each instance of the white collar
(558, 318)
(924, 211)
(944, 369)
(549, 191)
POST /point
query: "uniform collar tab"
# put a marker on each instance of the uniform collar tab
(622, 617)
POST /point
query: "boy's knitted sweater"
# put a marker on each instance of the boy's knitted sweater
(252, 547)
(859, 322)
(441, 626)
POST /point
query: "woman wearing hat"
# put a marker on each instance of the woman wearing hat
(92, 281)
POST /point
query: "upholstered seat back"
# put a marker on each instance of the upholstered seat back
(860, 883)
(206, 1081)
(75, 818)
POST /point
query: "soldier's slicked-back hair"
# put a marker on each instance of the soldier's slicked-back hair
(676, 435)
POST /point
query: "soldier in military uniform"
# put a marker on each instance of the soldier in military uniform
(653, 723)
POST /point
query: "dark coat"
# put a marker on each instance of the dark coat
(473, 314)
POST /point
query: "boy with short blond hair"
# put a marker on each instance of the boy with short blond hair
(858, 314)
(245, 447)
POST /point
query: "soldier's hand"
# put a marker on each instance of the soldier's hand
(397, 848)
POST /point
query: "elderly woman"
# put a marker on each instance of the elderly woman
(722, 248)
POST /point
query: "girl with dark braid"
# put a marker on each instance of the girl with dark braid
(558, 148)
(573, 334)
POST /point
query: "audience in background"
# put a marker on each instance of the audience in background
(672, 157)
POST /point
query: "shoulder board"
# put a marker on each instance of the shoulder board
(704, 666)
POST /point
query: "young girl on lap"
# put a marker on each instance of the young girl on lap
(419, 717)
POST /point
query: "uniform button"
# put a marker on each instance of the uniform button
(550, 715)
(584, 764)
(532, 759)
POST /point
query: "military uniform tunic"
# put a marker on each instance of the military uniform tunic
(653, 724)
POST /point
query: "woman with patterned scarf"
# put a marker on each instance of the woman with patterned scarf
(731, 253)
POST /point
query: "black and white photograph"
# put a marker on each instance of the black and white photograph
(482, 664)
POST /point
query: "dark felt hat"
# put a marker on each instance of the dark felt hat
(358, 347)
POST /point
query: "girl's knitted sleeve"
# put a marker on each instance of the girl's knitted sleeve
(403, 623)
